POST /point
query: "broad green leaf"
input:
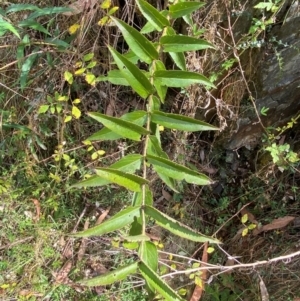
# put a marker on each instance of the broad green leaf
(34, 25)
(181, 43)
(2, 12)
(6, 26)
(148, 254)
(60, 44)
(176, 227)
(179, 78)
(148, 27)
(157, 20)
(154, 148)
(76, 113)
(137, 199)
(88, 57)
(177, 57)
(180, 122)
(160, 286)
(131, 56)
(115, 77)
(49, 11)
(129, 163)
(135, 238)
(161, 90)
(118, 221)
(25, 69)
(154, 103)
(135, 77)
(127, 180)
(177, 171)
(19, 7)
(119, 126)
(111, 277)
(43, 109)
(141, 46)
(184, 8)
(68, 76)
(136, 117)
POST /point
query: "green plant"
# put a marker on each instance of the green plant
(151, 85)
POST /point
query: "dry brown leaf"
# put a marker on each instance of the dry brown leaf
(80, 6)
(167, 195)
(102, 216)
(37, 208)
(62, 275)
(82, 248)
(263, 291)
(278, 223)
(229, 262)
(199, 289)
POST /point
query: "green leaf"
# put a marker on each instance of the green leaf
(184, 8)
(160, 286)
(34, 25)
(129, 163)
(142, 47)
(176, 227)
(19, 7)
(127, 180)
(49, 11)
(137, 80)
(115, 77)
(177, 171)
(137, 199)
(118, 221)
(88, 57)
(180, 122)
(6, 26)
(157, 20)
(25, 69)
(136, 117)
(119, 126)
(68, 76)
(161, 90)
(177, 57)
(134, 238)
(43, 109)
(60, 44)
(111, 277)
(179, 78)
(181, 43)
(148, 254)
(154, 148)
(76, 113)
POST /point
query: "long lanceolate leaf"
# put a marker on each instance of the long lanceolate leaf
(129, 163)
(179, 78)
(181, 9)
(177, 171)
(154, 281)
(121, 127)
(157, 20)
(111, 277)
(180, 43)
(127, 180)
(141, 46)
(136, 117)
(136, 79)
(180, 122)
(176, 227)
(120, 220)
